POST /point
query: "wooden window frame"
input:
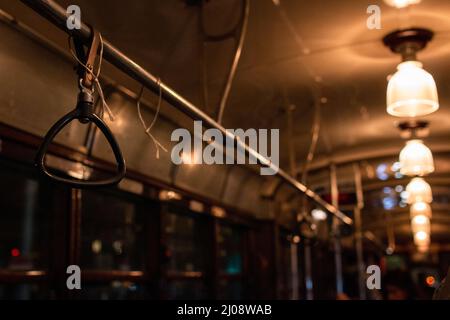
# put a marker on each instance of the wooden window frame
(19, 147)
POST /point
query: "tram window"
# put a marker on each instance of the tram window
(115, 290)
(230, 289)
(192, 289)
(23, 292)
(284, 269)
(24, 220)
(230, 247)
(184, 243)
(112, 234)
(185, 255)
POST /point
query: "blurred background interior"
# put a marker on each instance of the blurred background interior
(312, 69)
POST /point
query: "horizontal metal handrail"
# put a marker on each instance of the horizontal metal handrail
(57, 15)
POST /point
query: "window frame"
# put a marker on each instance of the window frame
(19, 147)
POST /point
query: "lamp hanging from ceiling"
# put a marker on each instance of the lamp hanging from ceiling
(421, 228)
(420, 209)
(416, 159)
(401, 3)
(422, 239)
(418, 190)
(420, 223)
(411, 91)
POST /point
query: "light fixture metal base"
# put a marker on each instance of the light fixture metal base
(414, 129)
(408, 42)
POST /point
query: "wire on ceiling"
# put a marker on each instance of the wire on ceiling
(238, 32)
(317, 87)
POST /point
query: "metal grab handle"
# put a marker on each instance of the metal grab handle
(84, 113)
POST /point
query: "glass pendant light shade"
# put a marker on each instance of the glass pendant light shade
(418, 191)
(416, 159)
(420, 223)
(401, 3)
(420, 209)
(411, 91)
(421, 239)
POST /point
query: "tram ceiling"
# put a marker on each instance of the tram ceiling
(192, 111)
(350, 60)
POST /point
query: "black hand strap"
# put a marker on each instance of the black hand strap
(84, 112)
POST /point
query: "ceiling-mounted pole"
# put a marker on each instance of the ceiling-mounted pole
(358, 231)
(58, 16)
(315, 130)
(294, 270)
(336, 232)
(309, 284)
(293, 168)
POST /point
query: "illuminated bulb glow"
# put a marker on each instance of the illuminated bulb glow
(318, 214)
(218, 212)
(411, 91)
(420, 220)
(187, 158)
(416, 159)
(96, 246)
(420, 224)
(422, 238)
(420, 209)
(430, 281)
(401, 3)
(419, 190)
(421, 235)
(166, 195)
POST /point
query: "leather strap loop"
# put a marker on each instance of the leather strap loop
(88, 58)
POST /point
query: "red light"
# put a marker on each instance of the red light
(430, 280)
(15, 252)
